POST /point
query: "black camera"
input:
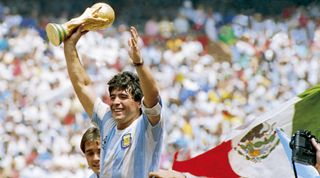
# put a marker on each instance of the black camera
(302, 149)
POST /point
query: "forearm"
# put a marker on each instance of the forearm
(77, 73)
(80, 79)
(147, 82)
(148, 86)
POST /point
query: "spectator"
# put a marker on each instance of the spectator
(90, 147)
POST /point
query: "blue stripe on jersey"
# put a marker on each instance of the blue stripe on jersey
(106, 143)
(139, 152)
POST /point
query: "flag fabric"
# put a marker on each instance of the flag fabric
(203, 164)
(253, 150)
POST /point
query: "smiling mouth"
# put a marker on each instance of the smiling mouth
(96, 166)
(118, 110)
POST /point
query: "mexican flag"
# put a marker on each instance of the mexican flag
(253, 150)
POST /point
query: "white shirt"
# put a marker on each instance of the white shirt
(94, 176)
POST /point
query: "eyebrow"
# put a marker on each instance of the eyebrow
(114, 94)
(86, 151)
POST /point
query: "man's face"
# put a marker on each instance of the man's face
(92, 153)
(123, 107)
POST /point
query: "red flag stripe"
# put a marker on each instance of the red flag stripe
(213, 163)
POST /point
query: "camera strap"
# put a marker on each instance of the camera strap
(294, 169)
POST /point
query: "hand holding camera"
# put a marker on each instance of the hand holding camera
(317, 146)
(303, 150)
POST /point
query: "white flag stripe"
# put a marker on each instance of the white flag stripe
(287, 107)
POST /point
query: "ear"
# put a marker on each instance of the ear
(139, 104)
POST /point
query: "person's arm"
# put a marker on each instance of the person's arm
(317, 146)
(166, 174)
(78, 76)
(147, 82)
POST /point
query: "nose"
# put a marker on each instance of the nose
(96, 157)
(116, 100)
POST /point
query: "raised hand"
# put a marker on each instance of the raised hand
(74, 38)
(134, 49)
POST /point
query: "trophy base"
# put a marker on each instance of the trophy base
(55, 33)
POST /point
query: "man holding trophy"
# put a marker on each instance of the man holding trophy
(131, 127)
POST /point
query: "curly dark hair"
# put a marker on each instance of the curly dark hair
(127, 81)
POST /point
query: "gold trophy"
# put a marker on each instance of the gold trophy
(97, 17)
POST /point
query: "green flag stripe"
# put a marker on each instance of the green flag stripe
(307, 112)
(310, 91)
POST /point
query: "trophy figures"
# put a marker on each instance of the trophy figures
(97, 17)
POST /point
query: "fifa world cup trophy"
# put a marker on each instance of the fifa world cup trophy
(97, 17)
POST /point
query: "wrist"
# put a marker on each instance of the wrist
(138, 64)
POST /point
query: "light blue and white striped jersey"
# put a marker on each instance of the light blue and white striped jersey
(132, 152)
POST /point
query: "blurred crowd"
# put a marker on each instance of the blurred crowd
(215, 72)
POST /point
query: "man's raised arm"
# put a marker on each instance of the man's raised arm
(78, 76)
(147, 82)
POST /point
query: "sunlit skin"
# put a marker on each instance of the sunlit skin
(317, 147)
(166, 174)
(123, 107)
(92, 154)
